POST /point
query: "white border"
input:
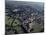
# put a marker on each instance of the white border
(2, 17)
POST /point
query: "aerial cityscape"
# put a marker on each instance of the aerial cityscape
(24, 17)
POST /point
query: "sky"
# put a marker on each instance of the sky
(27, 0)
